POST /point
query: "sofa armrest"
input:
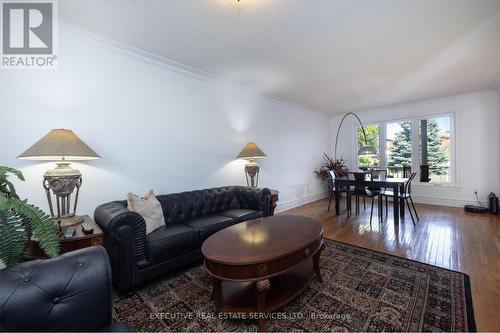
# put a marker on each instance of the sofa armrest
(124, 240)
(255, 198)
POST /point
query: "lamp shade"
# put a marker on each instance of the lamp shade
(59, 144)
(367, 150)
(251, 151)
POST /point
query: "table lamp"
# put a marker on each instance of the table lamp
(62, 146)
(251, 152)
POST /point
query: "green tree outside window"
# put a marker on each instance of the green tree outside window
(372, 138)
(401, 147)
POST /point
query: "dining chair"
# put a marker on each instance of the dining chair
(406, 195)
(343, 188)
(362, 191)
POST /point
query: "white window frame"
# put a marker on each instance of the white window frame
(415, 145)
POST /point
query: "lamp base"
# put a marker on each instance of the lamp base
(252, 173)
(62, 182)
(68, 221)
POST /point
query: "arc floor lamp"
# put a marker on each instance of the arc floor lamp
(363, 150)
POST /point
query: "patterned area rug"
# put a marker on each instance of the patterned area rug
(363, 290)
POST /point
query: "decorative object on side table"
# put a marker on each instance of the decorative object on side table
(61, 145)
(79, 240)
(19, 220)
(251, 152)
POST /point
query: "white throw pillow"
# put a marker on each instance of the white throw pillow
(149, 208)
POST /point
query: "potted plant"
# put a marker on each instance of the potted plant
(19, 220)
(328, 163)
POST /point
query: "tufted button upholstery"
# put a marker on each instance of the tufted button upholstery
(58, 294)
(182, 207)
(135, 260)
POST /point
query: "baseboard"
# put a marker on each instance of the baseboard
(286, 205)
(444, 201)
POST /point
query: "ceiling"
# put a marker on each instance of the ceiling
(333, 56)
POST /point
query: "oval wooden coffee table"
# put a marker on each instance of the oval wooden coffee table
(260, 265)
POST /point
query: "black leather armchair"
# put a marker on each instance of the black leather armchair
(69, 293)
(190, 218)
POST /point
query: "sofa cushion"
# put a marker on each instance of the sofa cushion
(209, 225)
(171, 241)
(242, 214)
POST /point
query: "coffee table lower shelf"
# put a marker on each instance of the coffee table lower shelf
(243, 297)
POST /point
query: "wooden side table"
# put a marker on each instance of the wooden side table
(80, 240)
(274, 200)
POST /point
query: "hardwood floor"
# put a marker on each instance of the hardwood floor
(445, 236)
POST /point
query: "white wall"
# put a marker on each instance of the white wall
(155, 126)
(477, 143)
(498, 130)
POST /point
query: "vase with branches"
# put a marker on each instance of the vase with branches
(20, 220)
(328, 163)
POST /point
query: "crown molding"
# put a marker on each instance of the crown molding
(428, 101)
(135, 52)
(177, 67)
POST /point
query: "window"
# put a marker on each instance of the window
(435, 150)
(398, 148)
(372, 136)
(423, 144)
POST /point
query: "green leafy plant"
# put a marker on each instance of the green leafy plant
(19, 220)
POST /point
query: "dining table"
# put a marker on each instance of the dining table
(396, 184)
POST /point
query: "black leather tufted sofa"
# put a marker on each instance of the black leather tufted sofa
(69, 293)
(190, 217)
